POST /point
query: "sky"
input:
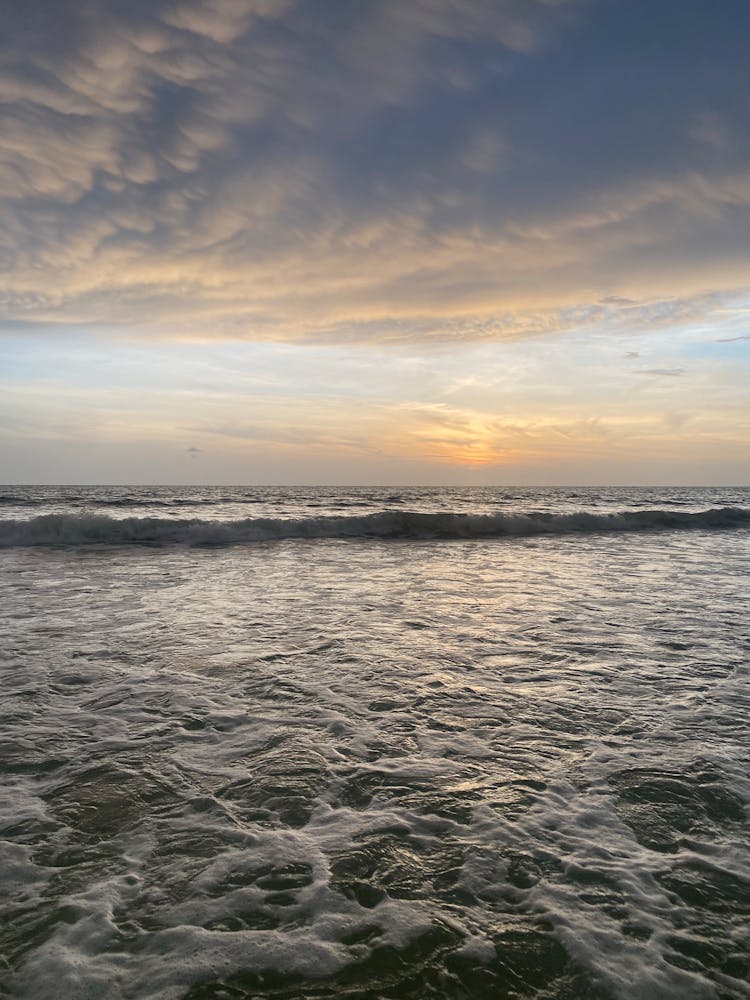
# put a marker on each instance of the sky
(375, 241)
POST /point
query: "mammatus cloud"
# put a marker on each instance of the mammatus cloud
(274, 169)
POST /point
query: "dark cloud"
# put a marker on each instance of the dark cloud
(669, 372)
(265, 168)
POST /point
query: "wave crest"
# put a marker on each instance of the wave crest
(66, 530)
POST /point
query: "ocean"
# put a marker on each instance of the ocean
(374, 743)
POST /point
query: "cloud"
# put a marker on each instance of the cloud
(267, 169)
(668, 372)
(675, 421)
(732, 340)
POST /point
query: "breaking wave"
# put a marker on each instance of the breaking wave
(64, 529)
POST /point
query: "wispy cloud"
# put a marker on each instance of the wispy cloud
(667, 372)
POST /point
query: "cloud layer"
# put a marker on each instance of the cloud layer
(381, 171)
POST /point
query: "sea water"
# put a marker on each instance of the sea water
(374, 743)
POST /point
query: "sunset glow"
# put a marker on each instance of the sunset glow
(267, 240)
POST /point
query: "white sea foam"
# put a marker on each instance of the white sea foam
(82, 529)
(369, 769)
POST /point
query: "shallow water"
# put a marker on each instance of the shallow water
(484, 767)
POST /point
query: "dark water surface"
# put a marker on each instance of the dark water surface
(501, 752)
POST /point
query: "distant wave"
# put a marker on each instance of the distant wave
(167, 502)
(63, 529)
